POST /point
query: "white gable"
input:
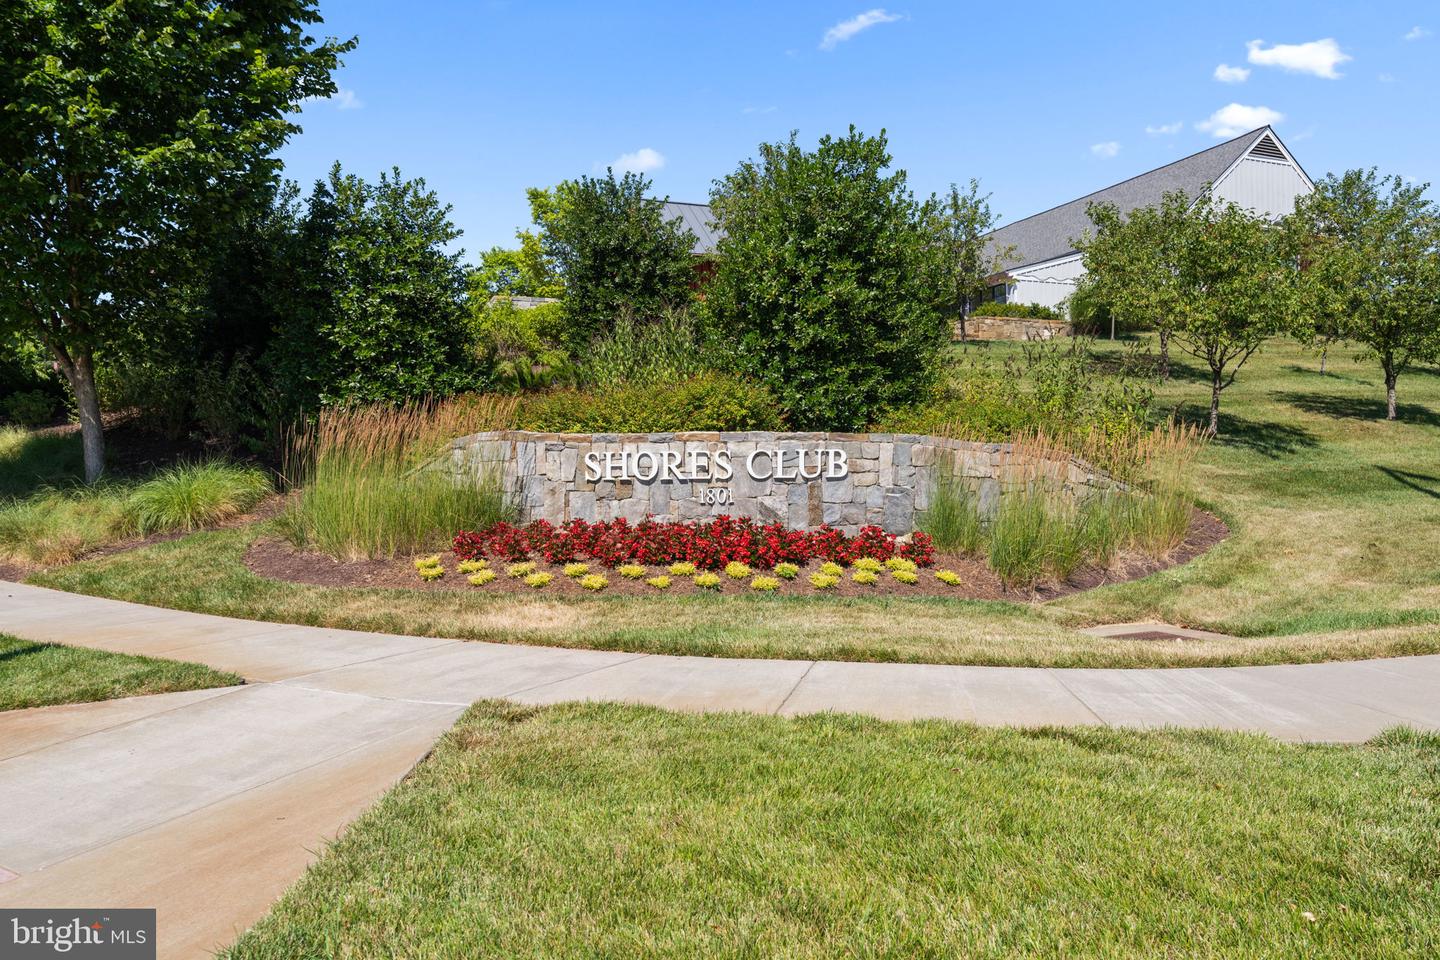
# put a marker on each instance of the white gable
(1266, 180)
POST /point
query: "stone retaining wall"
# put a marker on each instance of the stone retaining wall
(1013, 328)
(886, 479)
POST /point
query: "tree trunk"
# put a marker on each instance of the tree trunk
(79, 370)
(1324, 352)
(1215, 388)
(1390, 377)
(1164, 354)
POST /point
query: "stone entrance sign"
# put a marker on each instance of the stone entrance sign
(846, 480)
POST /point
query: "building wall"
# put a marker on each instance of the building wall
(1048, 283)
(887, 480)
(1268, 188)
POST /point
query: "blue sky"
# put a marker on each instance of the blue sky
(1041, 102)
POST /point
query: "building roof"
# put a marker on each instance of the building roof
(696, 217)
(1050, 234)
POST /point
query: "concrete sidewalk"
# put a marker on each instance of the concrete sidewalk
(208, 804)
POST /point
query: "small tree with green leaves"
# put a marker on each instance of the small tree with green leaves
(613, 250)
(1125, 269)
(829, 283)
(126, 129)
(1225, 278)
(1371, 253)
(960, 221)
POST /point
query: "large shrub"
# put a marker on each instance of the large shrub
(378, 311)
(828, 284)
(521, 349)
(614, 251)
(29, 391)
(1055, 387)
(710, 401)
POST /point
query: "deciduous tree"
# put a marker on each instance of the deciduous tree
(960, 221)
(1225, 279)
(1371, 251)
(126, 129)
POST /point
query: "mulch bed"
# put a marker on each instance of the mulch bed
(279, 560)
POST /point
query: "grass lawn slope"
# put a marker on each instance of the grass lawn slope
(609, 831)
(44, 674)
(1335, 512)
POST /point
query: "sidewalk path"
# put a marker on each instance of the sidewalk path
(208, 804)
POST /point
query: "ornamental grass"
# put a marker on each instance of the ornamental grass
(371, 482)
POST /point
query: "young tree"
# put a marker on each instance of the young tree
(828, 286)
(126, 128)
(1371, 253)
(1123, 266)
(960, 222)
(1237, 279)
(378, 309)
(1226, 280)
(613, 250)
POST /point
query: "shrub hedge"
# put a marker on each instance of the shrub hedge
(1025, 311)
(710, 401)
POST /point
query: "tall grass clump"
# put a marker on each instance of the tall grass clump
(191, 496)
(366, 487)
(1044, 530)
(58, 526)
(1020, 536)
(952, 519)
(1160, 516)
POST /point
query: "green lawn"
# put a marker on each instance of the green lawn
(608, 831)
(43, 674)
(1335, 554)
(1336, 512)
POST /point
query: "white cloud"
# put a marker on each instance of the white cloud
(641, 161)
(1234, 119)
(345, 99)
(1164, 129)
(1386, 78)
(1228, 74)
(846, 29)
(1318, 57)
(1107, 149)
(770, 109)
(1417, 33)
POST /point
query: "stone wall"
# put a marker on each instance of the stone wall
(887, 477)
(1012, 328)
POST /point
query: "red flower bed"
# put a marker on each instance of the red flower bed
(709, 545)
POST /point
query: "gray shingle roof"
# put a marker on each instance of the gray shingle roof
(696, 217)
(1048, 235)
